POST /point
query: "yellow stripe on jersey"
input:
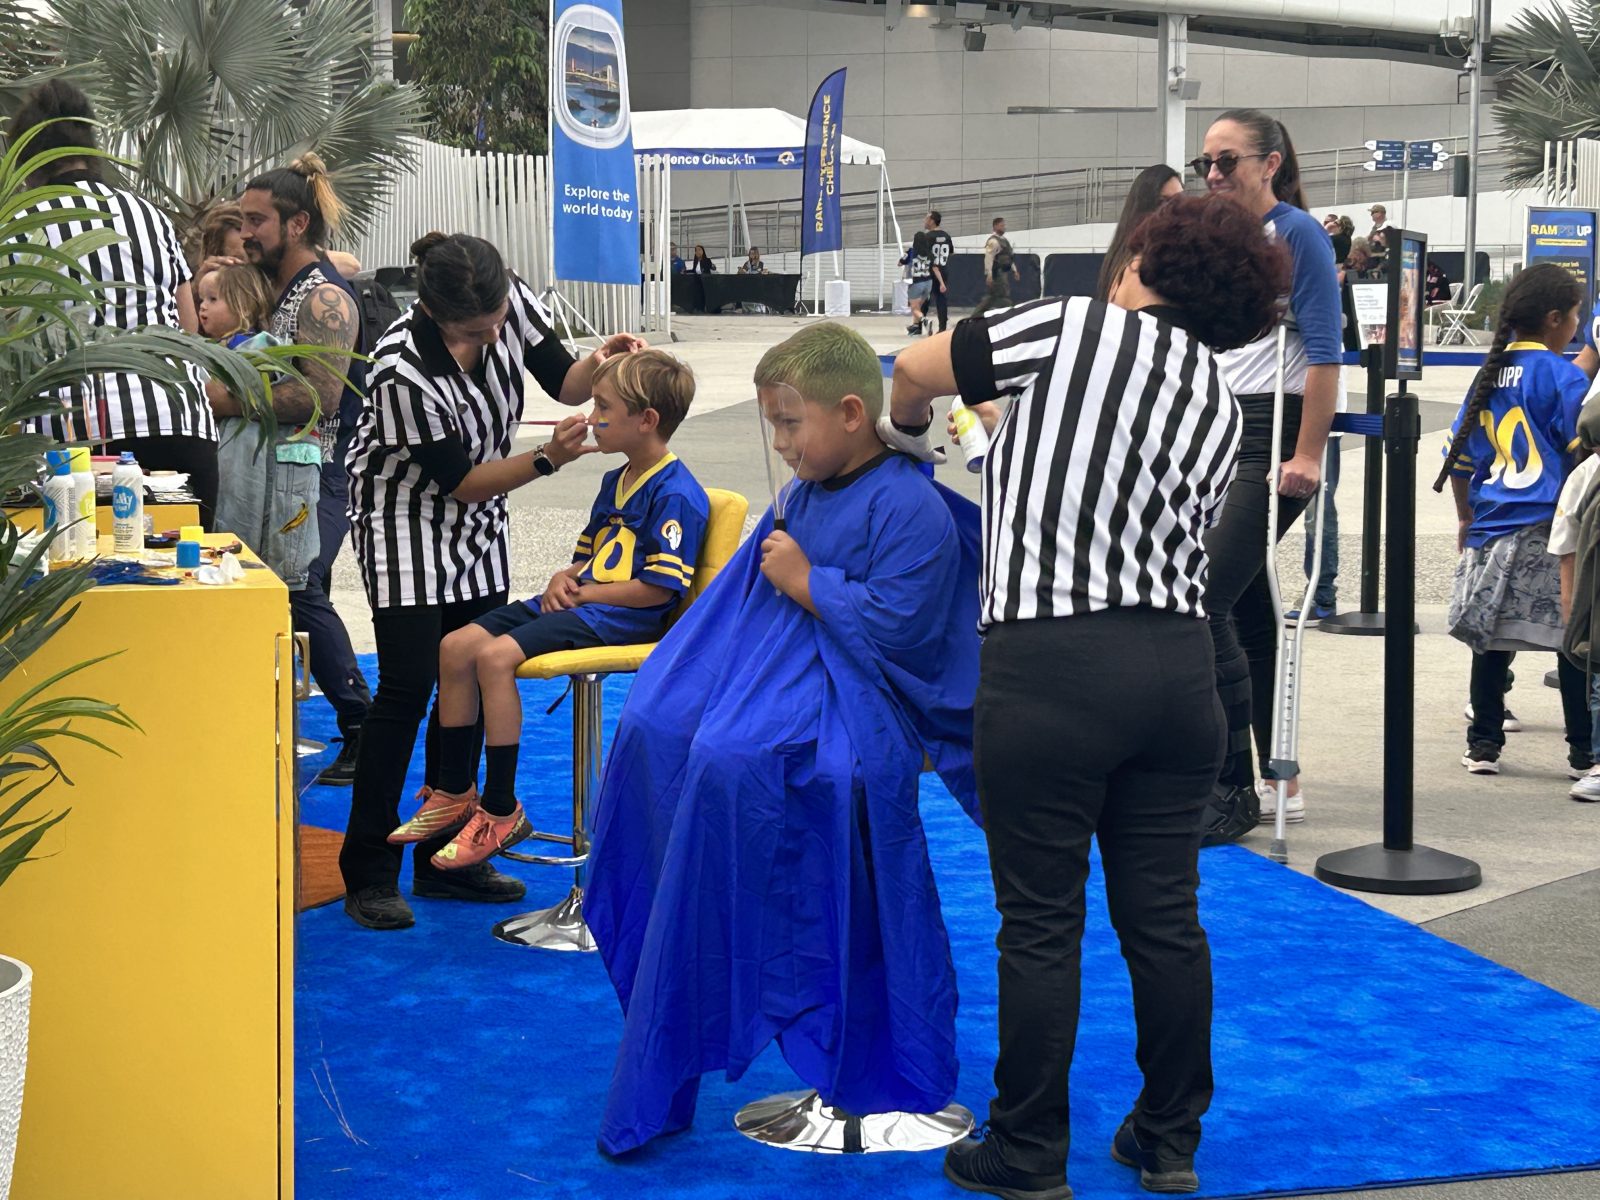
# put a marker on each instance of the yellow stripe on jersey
(671, 559)
(666, 572)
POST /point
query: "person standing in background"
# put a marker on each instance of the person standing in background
(1152, 187)
(920, 261)
(1339, 236)
(941, 250)
(999, 268)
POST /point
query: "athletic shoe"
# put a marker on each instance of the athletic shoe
(1509, 725)
(1482, 758)
(914, 328)
(379, 907)
(1161, 1173)
(440, 812)
(1319, 612)
(1229, 815)
(1587, 789)
(341, 772)
(977, 1166)
(481, 883)
(482, 837)
(1579, 762)
(1294, 810)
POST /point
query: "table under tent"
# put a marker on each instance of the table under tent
(758, 139)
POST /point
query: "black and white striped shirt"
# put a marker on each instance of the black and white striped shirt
(416, 543)
(149, 263)
(1111, 461)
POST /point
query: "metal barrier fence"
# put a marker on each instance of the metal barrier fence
(505, 198)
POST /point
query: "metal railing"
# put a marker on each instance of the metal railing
(1332, 178)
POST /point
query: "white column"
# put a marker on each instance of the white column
(383, 39)
(882, 176)
(1172, 59)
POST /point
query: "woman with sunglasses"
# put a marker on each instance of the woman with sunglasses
(1249, 159)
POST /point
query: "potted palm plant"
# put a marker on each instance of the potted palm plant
(43, 350)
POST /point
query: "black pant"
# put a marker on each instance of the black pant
(998, 294)
(196, 456)
(1238, 599)
(408, 670)
(1489, 673)
(1103, 726)
(942, 300)
(333, 659)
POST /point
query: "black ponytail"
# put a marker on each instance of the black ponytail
(459, 276)
(1271, 137)
(1532, 296)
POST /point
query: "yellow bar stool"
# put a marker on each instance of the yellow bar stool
(562, 927)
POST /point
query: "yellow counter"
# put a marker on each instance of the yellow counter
(161, 932)
(165, 517)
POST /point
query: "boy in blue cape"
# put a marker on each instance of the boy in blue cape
(759, 870)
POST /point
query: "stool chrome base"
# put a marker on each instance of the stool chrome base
(801, 1121)
(558, 928)
(304, 747)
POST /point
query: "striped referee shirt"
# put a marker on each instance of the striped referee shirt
(416, 543)
(148, 266)
(1111, 461)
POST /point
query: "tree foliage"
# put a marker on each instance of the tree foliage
(1548, 83)
(481, 68)
(202, 95)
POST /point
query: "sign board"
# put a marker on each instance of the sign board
(1371, 302)
(1566, 237)
(1403, 352)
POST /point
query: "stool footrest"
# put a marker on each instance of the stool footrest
(564, 839)
(545, 860)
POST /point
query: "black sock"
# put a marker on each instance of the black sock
(455, 758)
(500, 780)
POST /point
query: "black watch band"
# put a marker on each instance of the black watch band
(914, 430)
(542, 463)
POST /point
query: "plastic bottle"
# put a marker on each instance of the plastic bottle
(58, 506)
(85, 537)
(127, 505)
(971, 435)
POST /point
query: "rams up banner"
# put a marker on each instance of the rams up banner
(820, 227)
(1566, 237)
(596, 217)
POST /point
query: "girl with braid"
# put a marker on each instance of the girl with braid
(1510, 450)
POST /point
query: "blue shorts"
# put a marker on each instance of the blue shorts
(540, 633)
(920, 289)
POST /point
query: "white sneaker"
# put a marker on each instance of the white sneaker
(1509, 725)
(1588, 787)
(1294, 810)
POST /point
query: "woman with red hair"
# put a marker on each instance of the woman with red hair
(1097, 714)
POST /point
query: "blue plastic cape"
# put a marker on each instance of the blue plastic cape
(759, 868)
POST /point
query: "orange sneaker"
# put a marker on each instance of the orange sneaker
(484, 836)
(440, 812)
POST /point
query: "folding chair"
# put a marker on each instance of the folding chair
(1456, 317)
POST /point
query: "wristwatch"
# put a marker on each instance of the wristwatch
(543, 464)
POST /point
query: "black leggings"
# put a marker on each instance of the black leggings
(1491, 669)
(195, 456)
(1238, 599)
(942, 301)
(408, 671)
(1102, 727)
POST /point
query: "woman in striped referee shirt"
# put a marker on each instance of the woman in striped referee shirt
(167, 428)
(1097, 711)
(430, 465)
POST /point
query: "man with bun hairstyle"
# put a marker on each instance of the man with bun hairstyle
(287, 215)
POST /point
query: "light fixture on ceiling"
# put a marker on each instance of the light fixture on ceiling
(973, 38)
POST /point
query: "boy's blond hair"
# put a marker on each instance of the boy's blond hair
(244, 290)
(651, 379)
(825, 363)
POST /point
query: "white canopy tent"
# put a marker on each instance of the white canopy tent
(753, 139)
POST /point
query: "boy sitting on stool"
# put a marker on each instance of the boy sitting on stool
(758, 869)
(633, 563)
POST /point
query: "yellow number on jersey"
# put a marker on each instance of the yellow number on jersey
(1503, 438)
(613, 555)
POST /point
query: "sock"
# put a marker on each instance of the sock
(500, 781)
(455, 758)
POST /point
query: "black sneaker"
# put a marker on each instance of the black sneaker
(1169, 1175)
(481, 883)
(977, 1166)
(914, 327)
(1482, 758)
(341, 772)
(1229, 815)
(379, 907)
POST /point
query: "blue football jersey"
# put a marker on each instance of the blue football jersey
(1520, 449)
(650, 531)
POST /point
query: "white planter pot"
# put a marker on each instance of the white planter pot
(16, 988)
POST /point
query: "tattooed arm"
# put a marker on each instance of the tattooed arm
(327, 318)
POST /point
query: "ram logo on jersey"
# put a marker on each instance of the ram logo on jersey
(672, 534)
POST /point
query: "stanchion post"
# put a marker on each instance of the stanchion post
(1398, 866)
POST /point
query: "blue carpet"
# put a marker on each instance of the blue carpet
(1351, 1048)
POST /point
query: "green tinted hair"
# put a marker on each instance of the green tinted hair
(825, 363)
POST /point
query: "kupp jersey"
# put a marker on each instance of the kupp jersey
(1520, 450)
(650, 531)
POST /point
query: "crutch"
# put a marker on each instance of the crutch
(1282, 762)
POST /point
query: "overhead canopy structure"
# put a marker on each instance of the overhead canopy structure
(736, 139)
(753, 139)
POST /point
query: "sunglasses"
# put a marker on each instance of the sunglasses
(1226, 163)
